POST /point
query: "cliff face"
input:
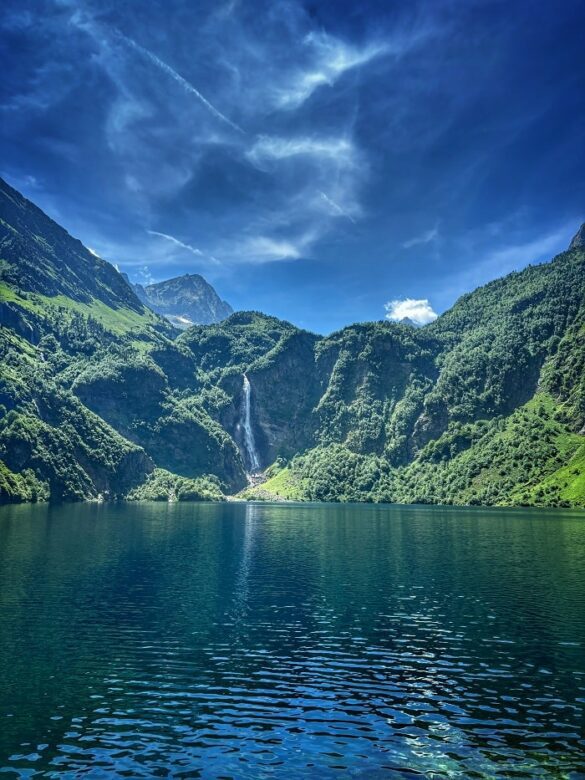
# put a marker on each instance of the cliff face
(286, 389)
(54, 440)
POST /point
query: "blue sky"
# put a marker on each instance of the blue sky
(325, 162)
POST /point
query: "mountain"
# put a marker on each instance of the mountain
(410, 322)
(99, 395)
(37, 255)
(69, 323)
(185, 300)
(578, 240)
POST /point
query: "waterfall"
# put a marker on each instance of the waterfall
(249, 443)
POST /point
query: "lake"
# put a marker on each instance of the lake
(291, 641)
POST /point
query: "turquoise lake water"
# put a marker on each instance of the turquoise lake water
(291, 641)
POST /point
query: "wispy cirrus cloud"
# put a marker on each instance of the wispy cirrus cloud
(329, 58)
(322, 176)
(373, 113)
(269, 148)
(427, 237)
(311, 174)
(264, 249)
(310, 179)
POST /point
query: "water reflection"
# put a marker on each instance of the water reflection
(241, 590)
(293, 641)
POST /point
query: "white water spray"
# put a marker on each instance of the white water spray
(249, 442)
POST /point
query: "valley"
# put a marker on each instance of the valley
(102, 398)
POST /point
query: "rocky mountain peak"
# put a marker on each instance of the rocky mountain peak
(184, 300)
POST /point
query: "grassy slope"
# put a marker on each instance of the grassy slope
(284, 485)
(50, 444)
(63, 310)
(120, 321)
(177, 434)
(565, 486)
(502, 462)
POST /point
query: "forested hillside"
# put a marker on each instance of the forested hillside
(101, 396)
(494, 415)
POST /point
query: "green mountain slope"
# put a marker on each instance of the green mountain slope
(100, 395)
(40, 256)
(451, 418)
(83, 402)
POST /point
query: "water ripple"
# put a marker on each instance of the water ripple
(293, 642)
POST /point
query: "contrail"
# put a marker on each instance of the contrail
(188, 247)
(187, 86)
(172, 239)
(336, 207)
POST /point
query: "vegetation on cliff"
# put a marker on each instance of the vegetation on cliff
(161, 485)
(99, 396)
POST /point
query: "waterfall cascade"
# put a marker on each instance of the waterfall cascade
(249, 443)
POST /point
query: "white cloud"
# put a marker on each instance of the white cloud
(264, 249)
(419, 310)
(424, 238)
(143, 276)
